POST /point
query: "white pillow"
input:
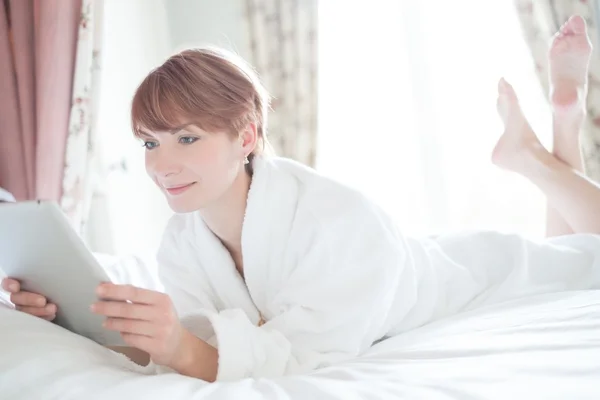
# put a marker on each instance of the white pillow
(40, 360)
(6, 196)
(28, 345)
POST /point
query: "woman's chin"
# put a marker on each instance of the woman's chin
(180, 206)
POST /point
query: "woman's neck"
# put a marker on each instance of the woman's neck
(226, 217)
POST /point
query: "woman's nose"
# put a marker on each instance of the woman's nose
(162, 163)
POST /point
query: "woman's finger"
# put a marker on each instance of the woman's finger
(47, 311)
(28, 299)
(11, 285)
(49, 317)
(110, 291)
(134, 326)
(121, 309)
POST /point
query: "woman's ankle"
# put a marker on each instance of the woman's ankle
(540, 163)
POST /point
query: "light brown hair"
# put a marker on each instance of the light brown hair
(209, 87)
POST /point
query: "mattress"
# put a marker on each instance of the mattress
(542, 347)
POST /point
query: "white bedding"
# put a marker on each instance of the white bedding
(546, 347)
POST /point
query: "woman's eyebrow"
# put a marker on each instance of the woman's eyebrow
(180, 127)
(144, 133)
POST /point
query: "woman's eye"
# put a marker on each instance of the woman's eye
(150, 145)
(187, 140)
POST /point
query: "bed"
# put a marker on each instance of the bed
(543, 347)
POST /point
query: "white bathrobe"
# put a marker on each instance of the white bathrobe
(331, 274)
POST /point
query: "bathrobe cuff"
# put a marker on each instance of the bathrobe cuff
(245, 349)
(235, 357)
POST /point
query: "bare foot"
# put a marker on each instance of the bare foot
(518, 142)
(569, 58)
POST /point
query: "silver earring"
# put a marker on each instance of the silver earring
(246, 161)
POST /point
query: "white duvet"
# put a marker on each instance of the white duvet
(543, 347)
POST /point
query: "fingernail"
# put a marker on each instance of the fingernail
(13, 286)
(41, 302)
(93, 307)
(101, 290)
(51, 308)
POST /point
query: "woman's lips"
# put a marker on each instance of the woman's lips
(175, 190)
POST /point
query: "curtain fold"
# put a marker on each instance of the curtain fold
(37, 58)
(17, 99)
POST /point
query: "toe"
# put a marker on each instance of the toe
(565, 29)
(506, 89)
(502, 86)
(505, 99)
(577, 24)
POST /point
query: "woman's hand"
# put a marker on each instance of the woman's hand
(27, 302)
(146, 320)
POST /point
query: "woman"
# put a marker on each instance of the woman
(271, 269)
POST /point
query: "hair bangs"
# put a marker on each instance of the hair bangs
(159, 105)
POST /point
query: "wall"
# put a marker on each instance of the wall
(197, 22)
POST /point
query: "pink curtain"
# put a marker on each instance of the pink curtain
(37, 56)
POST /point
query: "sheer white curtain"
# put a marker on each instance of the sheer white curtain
(135, 41)
(407, 110)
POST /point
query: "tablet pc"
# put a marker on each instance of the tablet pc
(39, 248)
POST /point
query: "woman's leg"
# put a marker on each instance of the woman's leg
(568, 191)
(568, 60)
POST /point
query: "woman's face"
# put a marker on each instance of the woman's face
(193, 168)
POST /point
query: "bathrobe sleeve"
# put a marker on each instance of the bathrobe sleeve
(333, 304)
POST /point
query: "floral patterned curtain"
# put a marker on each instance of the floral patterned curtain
(540, 19)
(81, 155)
(283, 44)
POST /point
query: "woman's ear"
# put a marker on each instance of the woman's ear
(249, 138)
